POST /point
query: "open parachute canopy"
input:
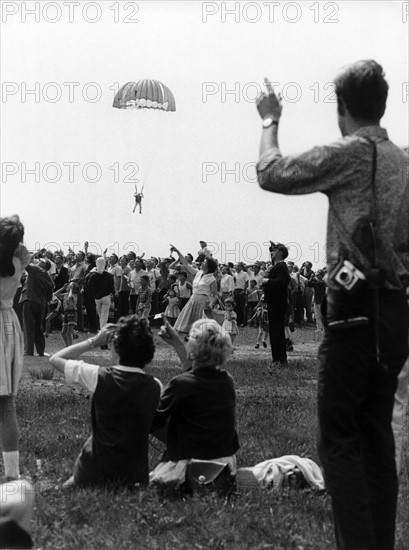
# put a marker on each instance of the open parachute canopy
(145, 94)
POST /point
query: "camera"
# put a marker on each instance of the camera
(348, 278)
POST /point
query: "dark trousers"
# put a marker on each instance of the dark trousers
(355, 403)
(92, 317)
(133, 298)
(240, 299)
(276, 320)
(298, 307)
(123, 303)
(33, 315)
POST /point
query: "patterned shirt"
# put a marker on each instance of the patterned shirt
(343, 172)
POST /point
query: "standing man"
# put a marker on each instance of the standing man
(241, 282)
(37, 291)
(276, 296)
(61, 272)
(308, 273)
(78, 273)
(364, 176)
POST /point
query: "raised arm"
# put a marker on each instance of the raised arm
(59, 359)
(181, 259)
(170, 336)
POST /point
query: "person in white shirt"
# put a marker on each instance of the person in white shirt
(241, 280)
(298, 295)
(185, 289)
(135, 282)
(227, 284)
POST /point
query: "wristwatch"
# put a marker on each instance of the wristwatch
(267, 122)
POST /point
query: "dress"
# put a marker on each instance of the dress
(197, 303)
(172, 309)
(230, 325)
(12, 345)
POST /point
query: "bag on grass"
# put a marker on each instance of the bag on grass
(204, 476)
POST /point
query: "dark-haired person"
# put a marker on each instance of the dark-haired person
(123, 403)
(78, 273)
(144, 303)
(61, 272)
(204, 293)
(13, 260)
(275, 288)
(364, 176)
(37, 291)
(89, 298)
(184, 289)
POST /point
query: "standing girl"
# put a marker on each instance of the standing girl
(13, 260)
(70, 313)
(172, 309)
(262, 323)
(230, 316)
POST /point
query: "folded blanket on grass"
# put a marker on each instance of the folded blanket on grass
(274, 472)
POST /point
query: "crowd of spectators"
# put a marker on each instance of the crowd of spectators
(109, 287)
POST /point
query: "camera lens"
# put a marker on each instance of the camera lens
(344, 276)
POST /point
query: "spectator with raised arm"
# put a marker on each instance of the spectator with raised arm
(123, 404)
(364, 175)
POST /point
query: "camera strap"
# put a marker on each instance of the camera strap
(360, 255)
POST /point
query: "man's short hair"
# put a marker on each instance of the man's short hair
(363, 89)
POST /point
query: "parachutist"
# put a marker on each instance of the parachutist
(138, 200)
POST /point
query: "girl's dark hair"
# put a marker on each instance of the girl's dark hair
(134, 342)
(212, 265)
(11, 235)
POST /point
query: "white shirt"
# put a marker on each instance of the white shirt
(135, 280)
(241, 278)
(86, 374)
(227, 283)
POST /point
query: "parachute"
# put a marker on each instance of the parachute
(145, 94)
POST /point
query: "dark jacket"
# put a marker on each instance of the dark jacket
(100, 285)
(200, 408)
(61, 277)
(38, 287)
(276, 288)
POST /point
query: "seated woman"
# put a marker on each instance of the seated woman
(123, 405)
(197, 408)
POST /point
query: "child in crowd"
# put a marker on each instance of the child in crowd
(253, 298)
(230, 319)
(54, 310)
(185, 289)
(70, 316)
(144, 303)
(261, 316)
(172, 309)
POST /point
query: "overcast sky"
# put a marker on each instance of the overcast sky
(197, 164)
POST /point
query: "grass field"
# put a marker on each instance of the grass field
(276, 416)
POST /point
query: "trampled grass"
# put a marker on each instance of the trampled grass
(276, 415)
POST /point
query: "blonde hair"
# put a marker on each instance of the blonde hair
(209, 343)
